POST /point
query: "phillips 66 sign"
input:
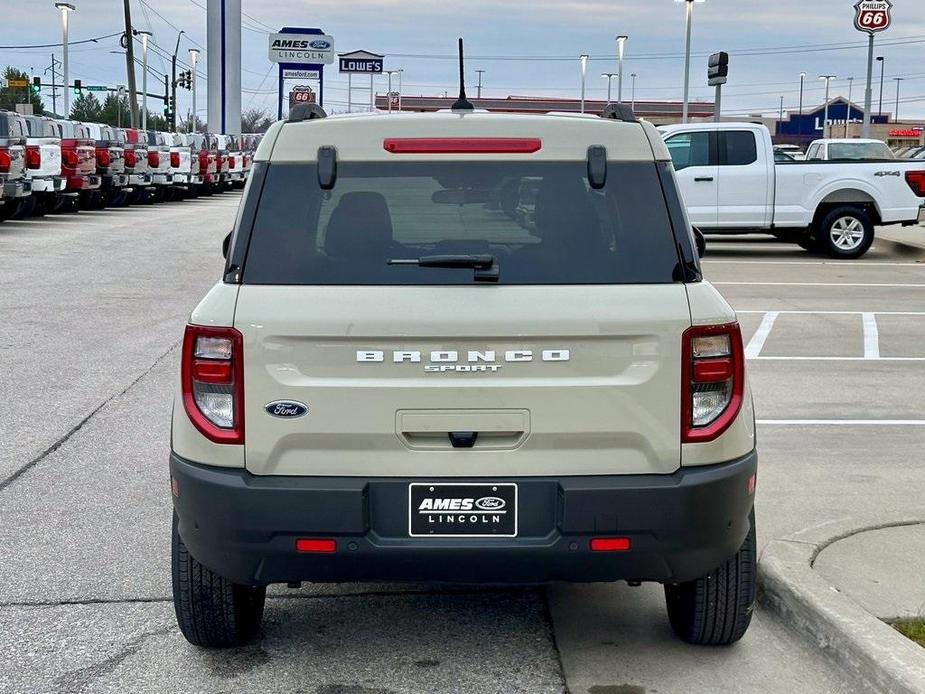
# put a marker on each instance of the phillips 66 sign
(872, 15)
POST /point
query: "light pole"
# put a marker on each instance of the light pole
(609, 76)
(802, 79)
(390, 73)
(633, 95)
(144, 78)
(882, 61)
(848, 108)
(621, 44)
(172, 125)
(825, 122)
(193, 57)
(687, 56)
(583, 59)
(896, 112)
(478, 92)
(65, 8)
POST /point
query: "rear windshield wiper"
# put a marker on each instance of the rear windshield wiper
(485, 265)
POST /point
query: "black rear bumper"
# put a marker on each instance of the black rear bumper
(681, 526)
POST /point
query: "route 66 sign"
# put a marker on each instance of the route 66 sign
(872, 15)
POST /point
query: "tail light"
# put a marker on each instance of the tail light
(154, 160)
(916, 181)
(4, 160)
(230, 162)
(712, 381)
(203, 160)
(70, 159)
(175, 160)
(218, 161)
(33, 157)
(212, 374)
(102, 157)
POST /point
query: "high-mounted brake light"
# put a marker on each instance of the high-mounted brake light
(175, 160)
(712, 380)
(462, 145)
(33, 157)
(916, 181)
(212, 376)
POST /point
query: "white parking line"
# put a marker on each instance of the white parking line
(840, 264)
(905, 285)
(761, 335)
(840, 313)
(898, 359)
(842, 422)
(871, 336)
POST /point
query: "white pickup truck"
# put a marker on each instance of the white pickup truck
(731, 185)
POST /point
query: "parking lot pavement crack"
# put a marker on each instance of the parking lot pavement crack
(547, 616)
(85, 602)
(77, 427)
(80, 680)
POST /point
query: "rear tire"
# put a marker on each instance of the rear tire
(212, 611)
(846, 233)
(716, 609)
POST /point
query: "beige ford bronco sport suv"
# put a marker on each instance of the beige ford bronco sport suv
(462, 347)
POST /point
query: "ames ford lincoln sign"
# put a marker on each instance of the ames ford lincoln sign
(309, 49)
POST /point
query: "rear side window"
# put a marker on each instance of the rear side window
(541, 221)
(860, 150)
(690, 149)
(738, 148)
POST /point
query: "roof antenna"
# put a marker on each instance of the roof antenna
(462, 103)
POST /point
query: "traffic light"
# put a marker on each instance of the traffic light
(36, 85)
(185, 80)
(78, 87)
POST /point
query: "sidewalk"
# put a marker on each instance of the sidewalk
(837, 580)
(881, 570)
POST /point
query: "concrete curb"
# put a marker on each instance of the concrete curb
(871, 652)
(900, 245)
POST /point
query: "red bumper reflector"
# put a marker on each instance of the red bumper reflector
(610, 544)
(750, 485)
(306, 544)
(462, 145)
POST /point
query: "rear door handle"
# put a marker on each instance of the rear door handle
(703, 179)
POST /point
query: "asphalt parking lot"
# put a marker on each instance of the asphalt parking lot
(93, 308)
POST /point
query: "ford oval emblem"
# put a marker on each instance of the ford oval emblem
(490, 503)
(320, 45)
(286, 409)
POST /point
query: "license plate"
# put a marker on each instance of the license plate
(462, 510)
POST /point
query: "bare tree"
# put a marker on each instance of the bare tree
(255, 120)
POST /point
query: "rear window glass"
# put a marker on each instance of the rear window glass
(740, 148)
(541, 221)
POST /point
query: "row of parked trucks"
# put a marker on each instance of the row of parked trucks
(54, 165)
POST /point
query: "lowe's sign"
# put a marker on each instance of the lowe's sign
(810, 125)
(361, 62)
(301, 49)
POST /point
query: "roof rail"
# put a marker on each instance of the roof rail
(619, 112)
(301, 112)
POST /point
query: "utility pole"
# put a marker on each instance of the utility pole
(896, 112)
(479, 89)
(173, 81)
(130, 66)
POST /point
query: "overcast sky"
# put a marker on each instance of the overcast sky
(506, 38)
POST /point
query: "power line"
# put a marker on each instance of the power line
(58, 45)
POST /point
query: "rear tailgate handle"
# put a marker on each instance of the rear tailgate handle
(703, 179)
(449, 429)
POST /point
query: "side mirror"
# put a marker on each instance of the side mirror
(225, 243)
(701, 242)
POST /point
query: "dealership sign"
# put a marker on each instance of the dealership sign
(301, 49)
(361, 62)
(872, 15)
(301, 74)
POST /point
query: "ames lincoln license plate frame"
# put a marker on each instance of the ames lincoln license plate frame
(463, 509)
